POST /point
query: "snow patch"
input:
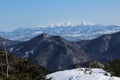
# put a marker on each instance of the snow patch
(38, 32)
(79, 74)
(32, 52)
(11, 49)
(19, 48)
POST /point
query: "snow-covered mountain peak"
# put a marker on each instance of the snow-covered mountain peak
(63, 24)
(87, 24)
(66, 24)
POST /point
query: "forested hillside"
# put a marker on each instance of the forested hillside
(20, 69)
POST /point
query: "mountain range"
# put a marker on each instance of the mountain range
(71, 32)
(52, 52)
(56, 53)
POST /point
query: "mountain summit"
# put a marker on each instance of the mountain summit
(52, 52)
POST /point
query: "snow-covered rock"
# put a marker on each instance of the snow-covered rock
(80, 74)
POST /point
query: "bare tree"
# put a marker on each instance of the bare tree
(6, 55)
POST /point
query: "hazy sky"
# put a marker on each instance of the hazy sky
(32, 13)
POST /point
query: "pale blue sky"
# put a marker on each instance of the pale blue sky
(32, 13)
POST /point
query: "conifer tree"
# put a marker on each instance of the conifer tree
(6, 55)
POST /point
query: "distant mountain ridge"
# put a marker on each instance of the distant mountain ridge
(8, 42)
(71, 32)
(105, 47)
(56, 53)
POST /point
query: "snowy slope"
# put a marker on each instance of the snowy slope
(78, 74)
